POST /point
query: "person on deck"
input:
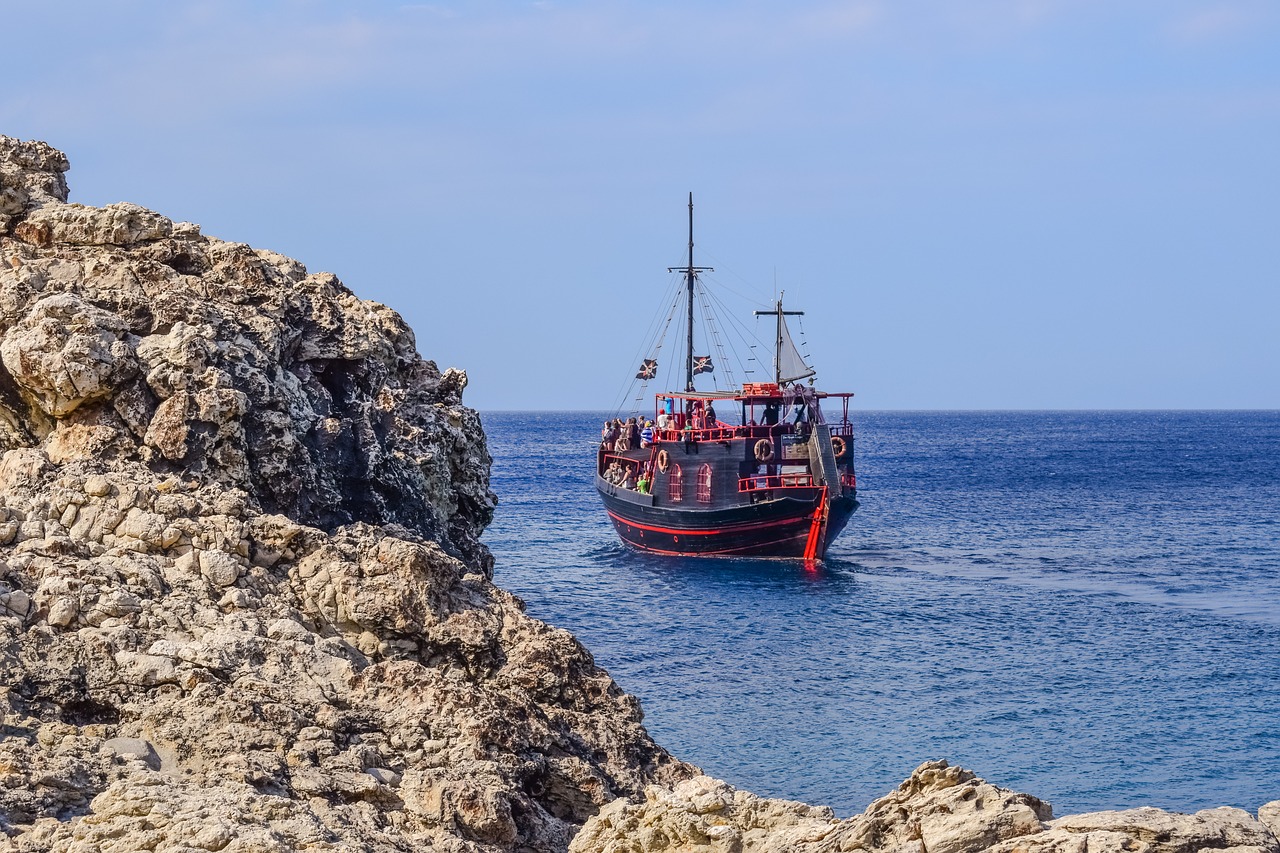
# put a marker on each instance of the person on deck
(629, 479)
(646, 434)
(690, 446)
(642, 485)
(711, 416)
(802, 409)
(633, 433)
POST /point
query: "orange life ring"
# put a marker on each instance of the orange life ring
(764, 450)
(838, 446)
(664, 461)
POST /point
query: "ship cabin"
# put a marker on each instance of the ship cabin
(780, 447)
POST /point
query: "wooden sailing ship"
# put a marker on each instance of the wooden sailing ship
(779, 482)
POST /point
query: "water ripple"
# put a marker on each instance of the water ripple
(1082, 605)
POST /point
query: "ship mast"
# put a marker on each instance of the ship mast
(691, 275)
(777, 340)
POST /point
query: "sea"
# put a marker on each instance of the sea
(1080, 605)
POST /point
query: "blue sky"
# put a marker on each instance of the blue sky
(985, 204)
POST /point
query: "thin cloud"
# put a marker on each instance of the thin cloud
(1221, 22)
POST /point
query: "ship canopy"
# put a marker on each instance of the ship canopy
(788, 365)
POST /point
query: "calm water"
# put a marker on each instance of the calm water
(1081, 605)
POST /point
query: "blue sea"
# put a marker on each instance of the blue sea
(1084, 606)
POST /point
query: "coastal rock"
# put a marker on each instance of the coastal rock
(31, 174)
(939, 809)
(243, 599)
(75, 224)
(124, 335)
(1152, 830)
(65, 352)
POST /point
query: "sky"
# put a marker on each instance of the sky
(988, 204)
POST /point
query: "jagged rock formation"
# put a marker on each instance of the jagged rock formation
(940, 809)
(244, 605)
(243, 601)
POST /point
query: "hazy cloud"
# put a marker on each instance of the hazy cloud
(1220, 21)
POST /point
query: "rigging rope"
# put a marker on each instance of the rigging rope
(709, 318)
(744, 334)
(657, 327)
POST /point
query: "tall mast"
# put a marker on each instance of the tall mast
(688, 380)
(777, 345)
(691, 275)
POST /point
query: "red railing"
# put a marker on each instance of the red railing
(775, 481)
(849, 481)
(751, 431)
(710, 434)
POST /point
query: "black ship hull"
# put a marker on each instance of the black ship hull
(795, 526)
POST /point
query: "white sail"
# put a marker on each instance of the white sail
(788, 364)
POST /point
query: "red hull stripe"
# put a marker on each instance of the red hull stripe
(759, 525)
(647, 547)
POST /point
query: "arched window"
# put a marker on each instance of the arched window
(704, 484)
(675, 485)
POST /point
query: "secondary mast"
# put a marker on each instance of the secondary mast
(691, 275)
(777, 341)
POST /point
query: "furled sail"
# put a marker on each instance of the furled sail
(789, 365)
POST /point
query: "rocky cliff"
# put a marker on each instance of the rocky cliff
(244, 605)
(243, 601)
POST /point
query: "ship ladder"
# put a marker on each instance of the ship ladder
(817, 527)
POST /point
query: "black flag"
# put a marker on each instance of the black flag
(648, 369)
(702, 364)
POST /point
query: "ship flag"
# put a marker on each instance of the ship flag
(648, 369)
(702, 364)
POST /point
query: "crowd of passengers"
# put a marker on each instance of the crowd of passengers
(625, 476)
(619, 435)
(637, 433)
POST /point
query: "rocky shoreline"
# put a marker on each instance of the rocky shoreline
(244, 604)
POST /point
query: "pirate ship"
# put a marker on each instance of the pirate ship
(771, 478)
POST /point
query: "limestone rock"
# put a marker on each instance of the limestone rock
(939, 808)
(243, 600)
(31, 174)
(75, 224)
(65, 352)
(122, 335)
(1152, 830)
(1269, 816)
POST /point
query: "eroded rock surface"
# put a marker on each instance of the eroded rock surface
(939, 809)
(243, 601)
